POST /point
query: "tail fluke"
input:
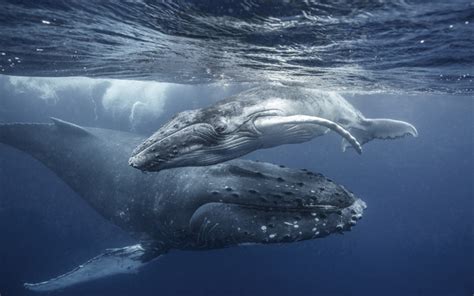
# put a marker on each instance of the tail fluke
(380, 129)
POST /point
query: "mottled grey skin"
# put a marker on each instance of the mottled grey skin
(251, 120)
(169, 206)
(189, 208)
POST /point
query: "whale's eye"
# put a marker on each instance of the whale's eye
(220, 128)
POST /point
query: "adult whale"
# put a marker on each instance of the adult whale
(261, 117)
(197, 208)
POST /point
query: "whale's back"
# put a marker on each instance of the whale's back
(93, 162)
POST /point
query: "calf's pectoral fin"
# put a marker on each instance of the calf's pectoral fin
(371, 129)
(113, 261)
(266, 122)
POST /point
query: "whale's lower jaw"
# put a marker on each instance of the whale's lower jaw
(219, 225)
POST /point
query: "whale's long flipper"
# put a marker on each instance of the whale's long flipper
(113, 261)
(380, 129)
(271, 121)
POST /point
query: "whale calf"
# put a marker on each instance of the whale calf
(261, 117)
(192, 208)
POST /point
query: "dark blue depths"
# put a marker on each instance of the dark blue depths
(416, 237)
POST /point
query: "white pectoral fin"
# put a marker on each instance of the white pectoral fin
(113, 261)
(381, 128)
(266, 122)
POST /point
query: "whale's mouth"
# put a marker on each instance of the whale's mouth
(290, 209)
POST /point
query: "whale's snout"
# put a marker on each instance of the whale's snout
(147, 161)
(136, 162)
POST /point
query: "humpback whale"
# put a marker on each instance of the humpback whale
(192, 208)
(262, 117)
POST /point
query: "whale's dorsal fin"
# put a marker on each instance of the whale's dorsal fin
(69, 127)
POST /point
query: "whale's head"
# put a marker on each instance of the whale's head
(199, 138)
(260, 203)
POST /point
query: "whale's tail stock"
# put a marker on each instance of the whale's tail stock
(380, 128)
(45, 142)
(38, 138)
(12, 133)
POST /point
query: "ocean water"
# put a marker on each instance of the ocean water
(131, 65)
(400, 45)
